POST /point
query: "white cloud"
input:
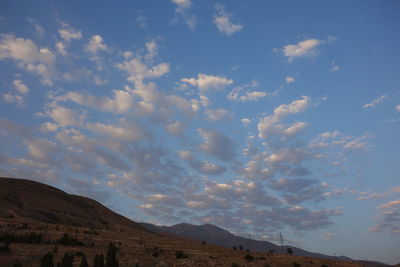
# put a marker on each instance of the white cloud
(397, 108)
(126, 131)
(217, 114)
(295, 128)
(301, 49)
(21, 87)
(65, 116)
(334, 67)
(217, 145)
(246, 121)
(271, 124)
(121, 102)
(176, 128)
(237, 93)
(139, 71)
(183, 10)
(96, 44)
(390, 204)
(19, 96)
(222, 19)
(17, 99)
(68, 34)
(207, 82)
(375, 102)
(49, 127)
(289, 79)
(28, 56)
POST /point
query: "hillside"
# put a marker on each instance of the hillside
(37, 219)
(221, 237)
(40, 202)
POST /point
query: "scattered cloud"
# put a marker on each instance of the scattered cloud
(334, 67)
(208, 83)
(217, 145)
(289, 79)
(222, 19)
(397, 108)
(18, 95)
(243, 94)
(375, 102)
(28, 56)
(304, 48)
(183, 10)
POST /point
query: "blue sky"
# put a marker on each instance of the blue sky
(257, 116)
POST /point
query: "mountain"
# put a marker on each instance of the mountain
(37, 219)
(215, 235)
(39, 202)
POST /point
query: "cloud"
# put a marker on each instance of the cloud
(237, 93)
(19, 96)
(397, 108)
(121, 102)
(334, 67)
(389, 219)
(64, 116)
(270, 125)
(176, 128)
(328, 236)
(295, 128)
(375, 102)
(126, 131)
(67, 34)
(301, 49)
(289, 79)
(217, 145)
(96, 44)
(390, 204)
(183, 10)
(246, 121)
(28, 56)
(207, 83)
(222, 19)
(217, 114)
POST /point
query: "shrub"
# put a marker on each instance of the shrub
(84, 262)
(67, 260)
(47, 260)
(180, 255)
(249, 258)
(295, 264)
(68, 240)
(111, 258)
(235, 265)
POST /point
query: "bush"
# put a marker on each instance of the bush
(235, 265)
(47, 260)
(111, 259)
(249, 258)
(68, 240)
(31, 238)
(295, 264)
(67, 260)
(180, 255)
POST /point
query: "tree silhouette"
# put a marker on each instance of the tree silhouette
(66, 261)
(289, 250)
(98, 261)
(84, 262)
(111, 258)
(47, 260)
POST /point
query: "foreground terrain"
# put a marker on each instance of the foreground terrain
(36, 219)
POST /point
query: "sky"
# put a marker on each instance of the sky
(257, 116)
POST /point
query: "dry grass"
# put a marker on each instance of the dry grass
(136, 246)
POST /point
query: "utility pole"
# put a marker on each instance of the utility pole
(282, 248)
(250, 242)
